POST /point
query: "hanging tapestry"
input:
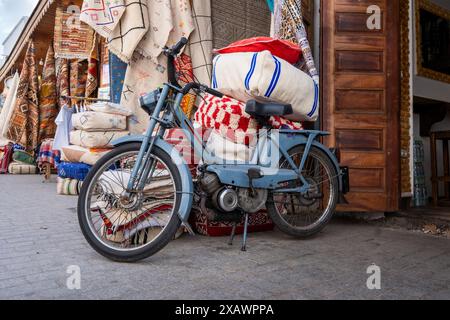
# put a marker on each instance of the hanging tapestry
(117, 72)
(160, 24)
(73, 38)
(62, 81)
(92, 74)
(8, 109)
(78, 78)
(48, 102)
(142, 76)
(130, 30)
(185, 75)
(170, 20)
(201, 41)
(24, 124)
(288, 25)
(102, 15)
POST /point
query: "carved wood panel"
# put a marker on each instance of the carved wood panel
(360, 97)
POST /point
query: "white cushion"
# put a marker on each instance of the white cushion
(95, 139)
(98, 121)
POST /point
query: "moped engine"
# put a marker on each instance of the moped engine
(228, 199)
(223, 198)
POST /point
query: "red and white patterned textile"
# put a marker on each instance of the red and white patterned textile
(228, 116)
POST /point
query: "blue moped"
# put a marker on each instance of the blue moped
(135, 199)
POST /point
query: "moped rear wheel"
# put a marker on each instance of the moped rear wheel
(304, 215)
(130, 228)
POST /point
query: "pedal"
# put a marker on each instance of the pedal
(253, 174)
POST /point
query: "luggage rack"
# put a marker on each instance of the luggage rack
(85, 99)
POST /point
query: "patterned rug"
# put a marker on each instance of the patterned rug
(62, 81)
(102, 15)
(117, 71)
(92, 73)
(24, 124)
(73, 38)
(78, 78)
(185, 74)
(201, 41)
(7, 110)
(144, 75)
(170, 20)
(49, 104)
(130, 30)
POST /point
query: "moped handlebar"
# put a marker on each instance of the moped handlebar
(171, 54)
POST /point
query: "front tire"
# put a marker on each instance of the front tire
(97, 239)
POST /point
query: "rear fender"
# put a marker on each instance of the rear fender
(291, 139)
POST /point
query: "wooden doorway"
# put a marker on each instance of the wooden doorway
(360, 99)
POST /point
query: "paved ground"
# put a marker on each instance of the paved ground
(40, 239)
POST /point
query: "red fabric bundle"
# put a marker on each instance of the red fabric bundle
(283, 49)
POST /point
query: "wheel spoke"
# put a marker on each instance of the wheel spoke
(134, 222)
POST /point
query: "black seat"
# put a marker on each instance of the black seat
(265, 110)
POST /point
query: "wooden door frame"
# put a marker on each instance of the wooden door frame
(392, 23)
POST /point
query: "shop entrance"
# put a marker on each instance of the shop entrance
(430, 95)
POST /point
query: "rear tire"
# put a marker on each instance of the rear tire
(165, 236)
(306, 231)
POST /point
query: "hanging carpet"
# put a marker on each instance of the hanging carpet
(73, 38)
(24, 124)
(48, 102)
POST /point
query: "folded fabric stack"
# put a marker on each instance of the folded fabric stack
(68, 187)
(71, 177)
(22, 162)
(93, 131)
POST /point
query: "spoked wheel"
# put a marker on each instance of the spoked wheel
(304, 215)
(131, 227)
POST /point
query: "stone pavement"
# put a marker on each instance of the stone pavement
(40, 239)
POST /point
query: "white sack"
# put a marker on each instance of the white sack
(266, 78)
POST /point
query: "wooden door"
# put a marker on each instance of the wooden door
(360, 99)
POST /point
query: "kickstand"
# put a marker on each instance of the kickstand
(244, 239)
(233, 234)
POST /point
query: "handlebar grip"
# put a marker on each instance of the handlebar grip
(179, 46)
(214, 92)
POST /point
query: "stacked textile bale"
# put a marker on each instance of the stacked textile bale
(22, 162)
(93, 130)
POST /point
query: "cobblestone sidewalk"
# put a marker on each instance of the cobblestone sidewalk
(40, 239)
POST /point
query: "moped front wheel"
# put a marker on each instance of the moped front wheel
(124, 226)
(304, 215)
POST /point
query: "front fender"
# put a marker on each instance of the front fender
(187, 185)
